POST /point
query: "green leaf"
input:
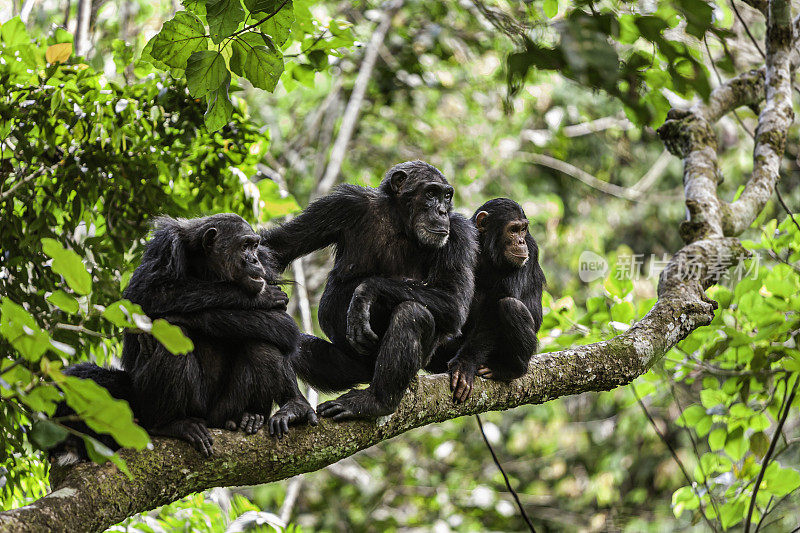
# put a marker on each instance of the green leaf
(22, 331)
(205, 72)
(171, 337)
(263, 67)
(691, 416)
(781, 481)
(732, 512)
(46, 434)
(100, 453)
(759, 443)
(64, 301)
(736, 445)
(125, 314)
(179, 39)
(279, 26)
(43, 399)
(102, 412)
(550, 8)
(13, 32)
(241, 46)
(68, 264)
(716, 439)
(223, 18)
(220, 108)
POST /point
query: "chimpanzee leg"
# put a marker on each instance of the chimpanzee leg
(169, 390)
(327, 368)
(405, 348)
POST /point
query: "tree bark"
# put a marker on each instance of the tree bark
(93, 497)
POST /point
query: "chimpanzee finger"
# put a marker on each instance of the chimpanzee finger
(346, 414)
(466, 391)
(285, 426)
(460, 384)
(275, 427)
(230, 425)
(454, 375)
(312, 418)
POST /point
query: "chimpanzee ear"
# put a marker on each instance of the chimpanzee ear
(397, 179)
(480, 220)
(208, 238)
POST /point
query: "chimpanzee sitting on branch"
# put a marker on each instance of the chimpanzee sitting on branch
(506, 312)
(402, 280)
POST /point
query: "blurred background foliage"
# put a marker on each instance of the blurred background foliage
(552, 104)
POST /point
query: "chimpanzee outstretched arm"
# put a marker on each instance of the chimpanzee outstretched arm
(318, 226)
(273, 327)
(191, 295)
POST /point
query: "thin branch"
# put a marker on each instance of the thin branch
(583, 176)
(505, 476)
(30, 177)
(677, 459)
(353, 108)
(746, 29)
(765, 462)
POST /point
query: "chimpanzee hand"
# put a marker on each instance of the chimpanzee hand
(272, 298)
(462, 377)
(292, 412)
(359, 332)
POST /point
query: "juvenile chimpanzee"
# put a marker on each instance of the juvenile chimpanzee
(402, 280)
(72, 449)
(506, 312)
(210, 276)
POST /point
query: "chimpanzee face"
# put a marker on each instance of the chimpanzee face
(231, 248)
(427, 201)
(515, 249)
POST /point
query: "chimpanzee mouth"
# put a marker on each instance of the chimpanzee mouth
(438, 231)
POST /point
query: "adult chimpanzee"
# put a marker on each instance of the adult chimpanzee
(402, 280)
(72, 449)
(211, 277)
(506, 312)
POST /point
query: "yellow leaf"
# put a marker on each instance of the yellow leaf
(58, 53)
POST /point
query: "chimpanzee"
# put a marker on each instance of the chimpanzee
(211, 277)
(506, 312)
(72, 449)
(402, 280)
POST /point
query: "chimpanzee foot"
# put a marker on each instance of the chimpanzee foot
(192, 430)
(250, 423)
(356, 404)
(292, 412)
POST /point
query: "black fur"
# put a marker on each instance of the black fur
(72, 449)
(506, 311)
(210, 277)
(402, 281)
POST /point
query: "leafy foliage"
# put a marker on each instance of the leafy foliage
(210, 42)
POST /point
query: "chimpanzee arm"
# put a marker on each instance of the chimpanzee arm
(318, 226)
(446, 294)
(191, 295)
(273, 327)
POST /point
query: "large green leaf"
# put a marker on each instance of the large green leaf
(47, 434)
(13, 33)
(205, 72)
(101, 411)
(263, 66)
(179, 39)
(171, 337)
(68, 264)
(279, 25)
(22, 331)
(100, 453)
(223, 17)
(220, 108)
(64, 301)
(241, 46)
